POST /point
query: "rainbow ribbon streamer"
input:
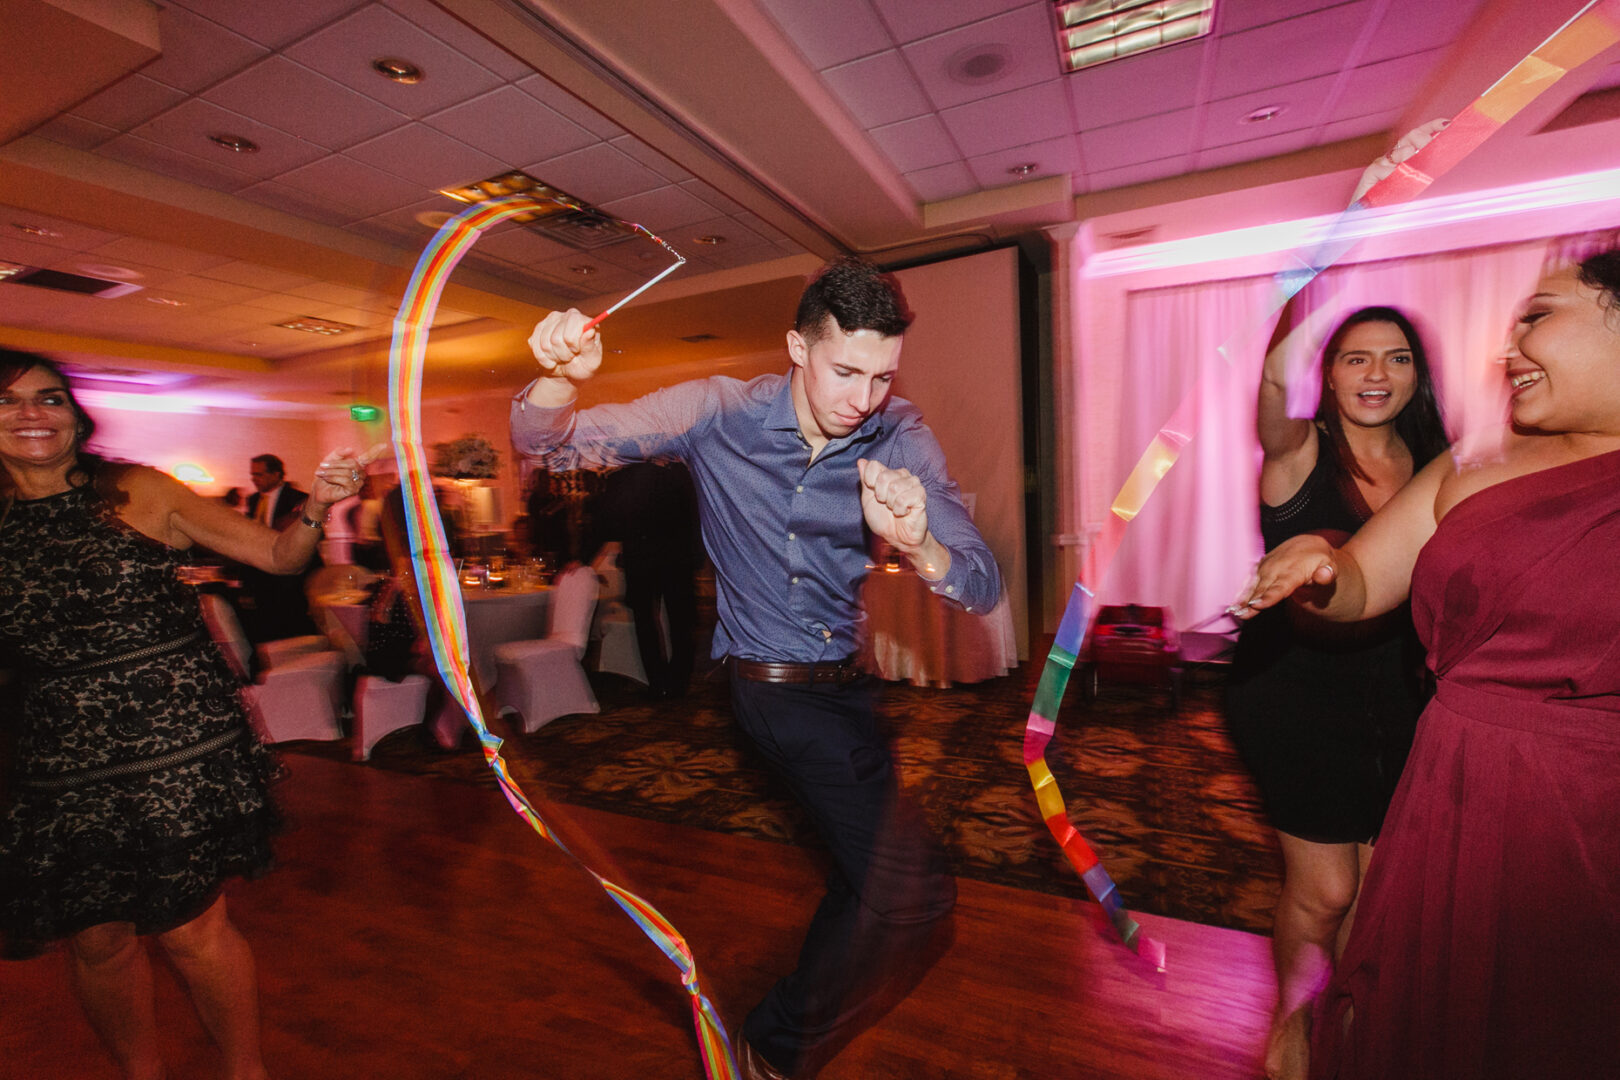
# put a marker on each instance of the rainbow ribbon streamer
(1594, 28)
(441, 594)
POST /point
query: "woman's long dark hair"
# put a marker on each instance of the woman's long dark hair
(1602, 272)
(1419, 425)
(88, 468)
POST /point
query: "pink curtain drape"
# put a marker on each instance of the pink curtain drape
(1193, 545)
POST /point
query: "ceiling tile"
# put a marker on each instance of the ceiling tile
(1409, 28)
(662, 209)
(525, 247)
(596, 174)
(1031, 114)
(942, 182)
(353, 186)
(512, 127)
(1385, 86)
(641, 256)
(131, 100)
(291, 97)
(271, 24)
(877, 90)
(910, 20)
(714, 198)
(461, 37)
(69, 235)
(262, 277)
(157, 253)
(1051, 157)
(1233, 16)
(1272, 146)
(345, 51)
(1359, 126)
(187, 128)
(1314, 44)
(830, 31)
(604, 276)
(430, 158)
(916, 144)
(182, 166)
(328, 292)
(1137, 86)
(737, 237)
(196, 52)
(762, 227)
(316, 206)
(1301, 103)
(212, 289)
(1144, 173)
(409, 224)
(657, 162)
(122, 268)
(19, 249)
(1021, 41)
(69, 130)
(555, 97)
(1134, 142)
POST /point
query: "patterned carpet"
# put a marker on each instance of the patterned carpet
(1161, 796)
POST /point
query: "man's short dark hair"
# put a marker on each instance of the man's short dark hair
(857, 295)
(271, 463)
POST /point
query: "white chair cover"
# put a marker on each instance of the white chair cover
(542, 680)
(381, 707)
(297, 699)
(615, 628)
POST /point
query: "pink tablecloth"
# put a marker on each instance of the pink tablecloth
(914, 635)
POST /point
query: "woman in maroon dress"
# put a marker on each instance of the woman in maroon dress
(1485, 941)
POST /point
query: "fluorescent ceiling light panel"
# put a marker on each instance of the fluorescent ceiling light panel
(1092, 32)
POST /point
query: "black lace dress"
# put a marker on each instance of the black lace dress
(136, 787)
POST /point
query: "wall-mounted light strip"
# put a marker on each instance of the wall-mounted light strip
(1287, 236)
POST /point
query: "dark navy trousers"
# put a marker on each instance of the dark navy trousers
(889, 883)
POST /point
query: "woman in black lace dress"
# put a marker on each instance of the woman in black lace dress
(1323, 714)
(137, 787)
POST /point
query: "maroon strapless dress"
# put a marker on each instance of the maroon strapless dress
(1487, 940)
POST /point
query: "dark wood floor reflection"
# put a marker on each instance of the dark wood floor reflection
(417, 929)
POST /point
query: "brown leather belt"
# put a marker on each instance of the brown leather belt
(842, 672)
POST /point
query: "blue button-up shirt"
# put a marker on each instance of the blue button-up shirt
(786, 534)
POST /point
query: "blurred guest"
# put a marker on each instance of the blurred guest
(274, 603)
(651, 509)
(138, 787)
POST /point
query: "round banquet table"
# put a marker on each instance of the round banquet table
(912, 634)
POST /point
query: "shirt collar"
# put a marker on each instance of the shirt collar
(781, 416)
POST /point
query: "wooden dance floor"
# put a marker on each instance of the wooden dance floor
(416, 928)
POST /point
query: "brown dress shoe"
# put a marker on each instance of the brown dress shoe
(753, 1066)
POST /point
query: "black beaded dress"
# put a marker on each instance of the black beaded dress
(1324, 713)
(102, 824)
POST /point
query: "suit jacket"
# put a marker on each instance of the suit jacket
(289, 500)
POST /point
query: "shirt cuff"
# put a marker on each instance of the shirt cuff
(953, 585)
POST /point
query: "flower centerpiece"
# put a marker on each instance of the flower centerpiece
(470, 457)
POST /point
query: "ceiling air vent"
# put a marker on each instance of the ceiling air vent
(565, 219)
(1130, 237)
(72, 283)
(693, 339)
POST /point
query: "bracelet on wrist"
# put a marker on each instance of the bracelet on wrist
(313, 523)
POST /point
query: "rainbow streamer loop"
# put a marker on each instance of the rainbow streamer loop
(441, 594)
(1594, 28)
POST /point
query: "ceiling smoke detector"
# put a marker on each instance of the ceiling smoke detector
(978, 64)
(1023, 169)
(1262, 114)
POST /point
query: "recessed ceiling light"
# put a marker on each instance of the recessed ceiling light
(165, 301)
(711, 239)
(237, 144)
(309, 324)
(1023, 169)
(33, 230)
(396, 70)
(1262, 114)
(1092, 32)
(433, 219)
(583, 271)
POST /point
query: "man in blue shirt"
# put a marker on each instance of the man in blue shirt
(793, 472)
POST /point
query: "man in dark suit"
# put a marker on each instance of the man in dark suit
(278, 609)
